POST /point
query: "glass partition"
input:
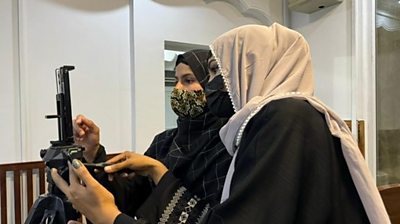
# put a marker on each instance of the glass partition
(388, 91)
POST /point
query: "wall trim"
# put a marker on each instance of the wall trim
(132, 71)
(249, 11)
(363, 75)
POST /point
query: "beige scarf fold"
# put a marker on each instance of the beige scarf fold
(261, 64)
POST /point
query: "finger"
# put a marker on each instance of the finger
(117, 166)
(75, 121)
(73, 178)
(86, 128)
(80, 118)
(131, 175)
(78, 139)
(60, 182)
(110, 177)
(78, 131)
(82, 125)
(88, 123)
(124, 175)
(118, 158)
(82, 173)
(73, 222)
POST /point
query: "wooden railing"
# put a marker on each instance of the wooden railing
(34, 172)
(17, 171)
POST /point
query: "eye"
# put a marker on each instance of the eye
(213, 66)
(216, 84)
(189, 81)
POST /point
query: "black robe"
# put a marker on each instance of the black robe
(193, 152)
(289, 169)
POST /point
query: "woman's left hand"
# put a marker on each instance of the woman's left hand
(86, 194)
(140, 164)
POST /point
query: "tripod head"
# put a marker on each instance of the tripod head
(54, 207)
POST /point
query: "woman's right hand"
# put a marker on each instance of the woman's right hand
(140, 164)
(86, 194)
(87, 134)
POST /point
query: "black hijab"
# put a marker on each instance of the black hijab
(193, 151)
(197, 60)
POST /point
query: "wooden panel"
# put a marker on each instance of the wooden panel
(17, 196)
(29, 185)
(3, 196)
(42, 180)
(360, 134)
(391, 198)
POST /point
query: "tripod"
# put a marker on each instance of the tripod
(54, 207)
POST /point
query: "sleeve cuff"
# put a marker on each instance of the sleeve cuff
(101, 155)
(124, 219)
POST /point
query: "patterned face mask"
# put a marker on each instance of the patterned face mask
(188, 103)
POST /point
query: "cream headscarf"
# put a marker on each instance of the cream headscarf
(260, 64)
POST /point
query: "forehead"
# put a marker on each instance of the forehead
(183, 69)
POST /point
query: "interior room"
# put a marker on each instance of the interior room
(124, 54)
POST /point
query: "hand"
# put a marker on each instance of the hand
(141, 164)
(86, 194)
(87, 134)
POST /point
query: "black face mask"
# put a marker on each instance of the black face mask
(218, 100)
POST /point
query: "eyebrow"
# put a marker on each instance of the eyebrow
(186, 75)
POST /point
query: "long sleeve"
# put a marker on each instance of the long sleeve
(290, 169)
(125, 219)
(171, 202)
(101, 155)
(129, 194)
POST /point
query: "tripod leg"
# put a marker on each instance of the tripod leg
(47, 209)
(48, 217)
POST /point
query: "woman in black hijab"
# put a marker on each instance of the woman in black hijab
(193, 151)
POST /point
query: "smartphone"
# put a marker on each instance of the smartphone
(100, 167)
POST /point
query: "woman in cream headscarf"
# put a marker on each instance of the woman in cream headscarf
(294, 159)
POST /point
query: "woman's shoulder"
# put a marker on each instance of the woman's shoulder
(162, 140)
(165, 134)
(290, 110)
(291, 104)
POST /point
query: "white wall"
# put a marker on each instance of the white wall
(345, 74)
(9, 83)
(328, 33)
(92, 35)
(95, 38)
(189, 21)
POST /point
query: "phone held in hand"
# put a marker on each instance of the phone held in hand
(100, 167)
